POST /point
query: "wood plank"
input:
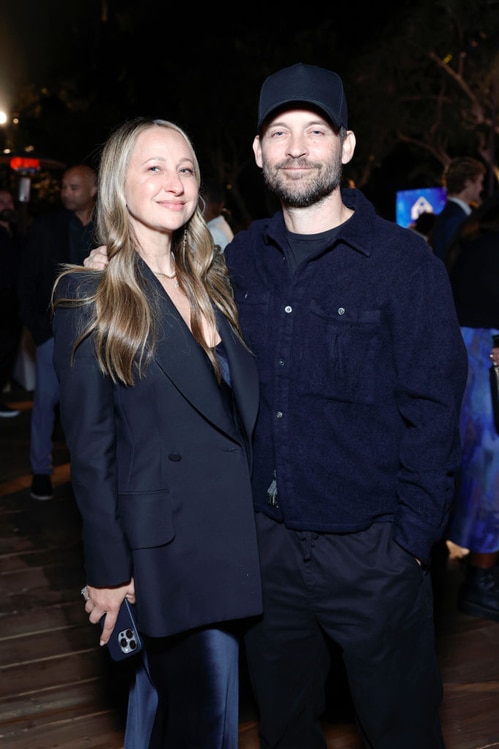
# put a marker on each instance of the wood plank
(100, 730)
(27, 647)
(45, 672)
(39, 587)
(470, 715)
(21, 710)
(17, 622)
(35, 558)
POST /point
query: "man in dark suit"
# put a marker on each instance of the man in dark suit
(64, 236)
(463, 178)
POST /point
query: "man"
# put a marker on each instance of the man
(463, 178)
(362, 369)
(64, 236)
(214, 212)
(10, 322)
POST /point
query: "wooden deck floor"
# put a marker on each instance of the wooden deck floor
(58, 689)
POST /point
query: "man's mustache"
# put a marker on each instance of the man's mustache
(300, 163)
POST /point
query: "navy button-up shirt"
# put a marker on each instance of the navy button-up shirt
(362, 370)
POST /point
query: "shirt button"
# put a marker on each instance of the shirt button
(281, 362)
(341, 310)
(288, 309)
(279, 415)
(175, 457)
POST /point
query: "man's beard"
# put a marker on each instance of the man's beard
(303, 191)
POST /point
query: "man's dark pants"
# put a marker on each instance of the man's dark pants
(373, 599)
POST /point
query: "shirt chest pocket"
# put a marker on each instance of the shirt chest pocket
(342, 361)
(254, 316)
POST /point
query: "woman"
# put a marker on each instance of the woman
(473, 265)
(158, 400)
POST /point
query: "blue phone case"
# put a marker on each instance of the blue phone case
(125, 640)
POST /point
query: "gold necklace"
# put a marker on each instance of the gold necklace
(167, 275)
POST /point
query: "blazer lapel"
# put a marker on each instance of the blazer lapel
(243, 373)
(186, 365)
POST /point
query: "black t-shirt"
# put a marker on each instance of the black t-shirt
(302, 246)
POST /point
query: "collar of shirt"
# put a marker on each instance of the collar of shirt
(461, 203)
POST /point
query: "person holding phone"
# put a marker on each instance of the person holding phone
(159, 397)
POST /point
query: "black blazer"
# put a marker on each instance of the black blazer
(160, 472)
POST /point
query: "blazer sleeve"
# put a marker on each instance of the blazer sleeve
(87, 415)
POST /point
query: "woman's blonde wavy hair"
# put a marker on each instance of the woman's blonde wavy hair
(123, 319)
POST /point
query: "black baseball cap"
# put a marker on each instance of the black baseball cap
(304, 84)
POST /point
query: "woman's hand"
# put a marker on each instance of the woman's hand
(106, 601)
(98, 259)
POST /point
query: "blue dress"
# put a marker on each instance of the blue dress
(475, 522)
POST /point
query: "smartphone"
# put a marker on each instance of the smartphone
(125, 639)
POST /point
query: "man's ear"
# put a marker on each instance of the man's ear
(257, 150)
(348, 147)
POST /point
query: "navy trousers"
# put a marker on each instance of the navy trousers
(195, 676)
(369, 596)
